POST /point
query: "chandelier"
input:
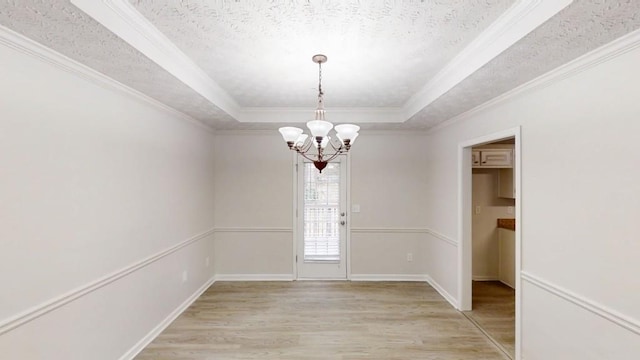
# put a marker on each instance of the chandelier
(314, 148)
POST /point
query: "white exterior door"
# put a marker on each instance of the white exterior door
(321, 221)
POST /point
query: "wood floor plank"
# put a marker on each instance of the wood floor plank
(321, 320)
(494, 309)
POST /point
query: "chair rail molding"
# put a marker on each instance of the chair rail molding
(603, 311)
(61, 300)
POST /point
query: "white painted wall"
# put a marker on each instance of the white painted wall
(92, 184)
(254, 210)
(580, 201)
(388, 178)
(254, 197)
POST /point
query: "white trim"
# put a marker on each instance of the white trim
(26, 46)
(604, 53)
(321, 268)
(122, 19)
(59, 301)
(514, 24)
(389, 277)
(464, 223)
(417, 230)
(366, 115)
(347, 210)
(147, 339)
(275, 134)
(603, 311)
(451, 299)
(252, 229)
(294, 214)
(442, 237)
(254, 277)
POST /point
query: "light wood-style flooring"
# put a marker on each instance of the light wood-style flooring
(494, 310)
(321, 320)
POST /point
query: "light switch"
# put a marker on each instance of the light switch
(477, 209)
(355, 208)
(509, 209)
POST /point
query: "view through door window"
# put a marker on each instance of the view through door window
(321, 213)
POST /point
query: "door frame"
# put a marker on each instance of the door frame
(465, 248)
(346, 161)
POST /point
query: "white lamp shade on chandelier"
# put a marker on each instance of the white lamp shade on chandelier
(290, 134)
(319, 129)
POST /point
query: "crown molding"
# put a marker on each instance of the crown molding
(121, 18)
(26, 46)
(336, 115)
(604, 53)
(518, 21)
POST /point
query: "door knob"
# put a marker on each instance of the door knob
(343, 214)
(342, 222)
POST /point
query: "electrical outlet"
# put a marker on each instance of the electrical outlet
(185, 276)
(509, 209)
(206, 262)
(409, 256)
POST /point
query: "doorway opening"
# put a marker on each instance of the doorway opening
(489, 252)
(321, 221)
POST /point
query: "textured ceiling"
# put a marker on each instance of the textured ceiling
(381, 53)
(576, 30)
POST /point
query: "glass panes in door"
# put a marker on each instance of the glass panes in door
(321, 205)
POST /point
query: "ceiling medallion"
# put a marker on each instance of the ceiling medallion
(314, 148)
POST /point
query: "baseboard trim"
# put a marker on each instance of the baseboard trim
(507, 284)
(59, 301)
(583, 302)
(434, 284)
(254, 277)
(147, 339)
(388, 277)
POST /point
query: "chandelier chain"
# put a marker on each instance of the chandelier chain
(320, 79)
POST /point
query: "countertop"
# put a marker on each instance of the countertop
(509, 224)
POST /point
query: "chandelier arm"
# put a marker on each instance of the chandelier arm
(333, 145)
(335, 155)
(305, 147)
(306, 157)
(317, 158)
